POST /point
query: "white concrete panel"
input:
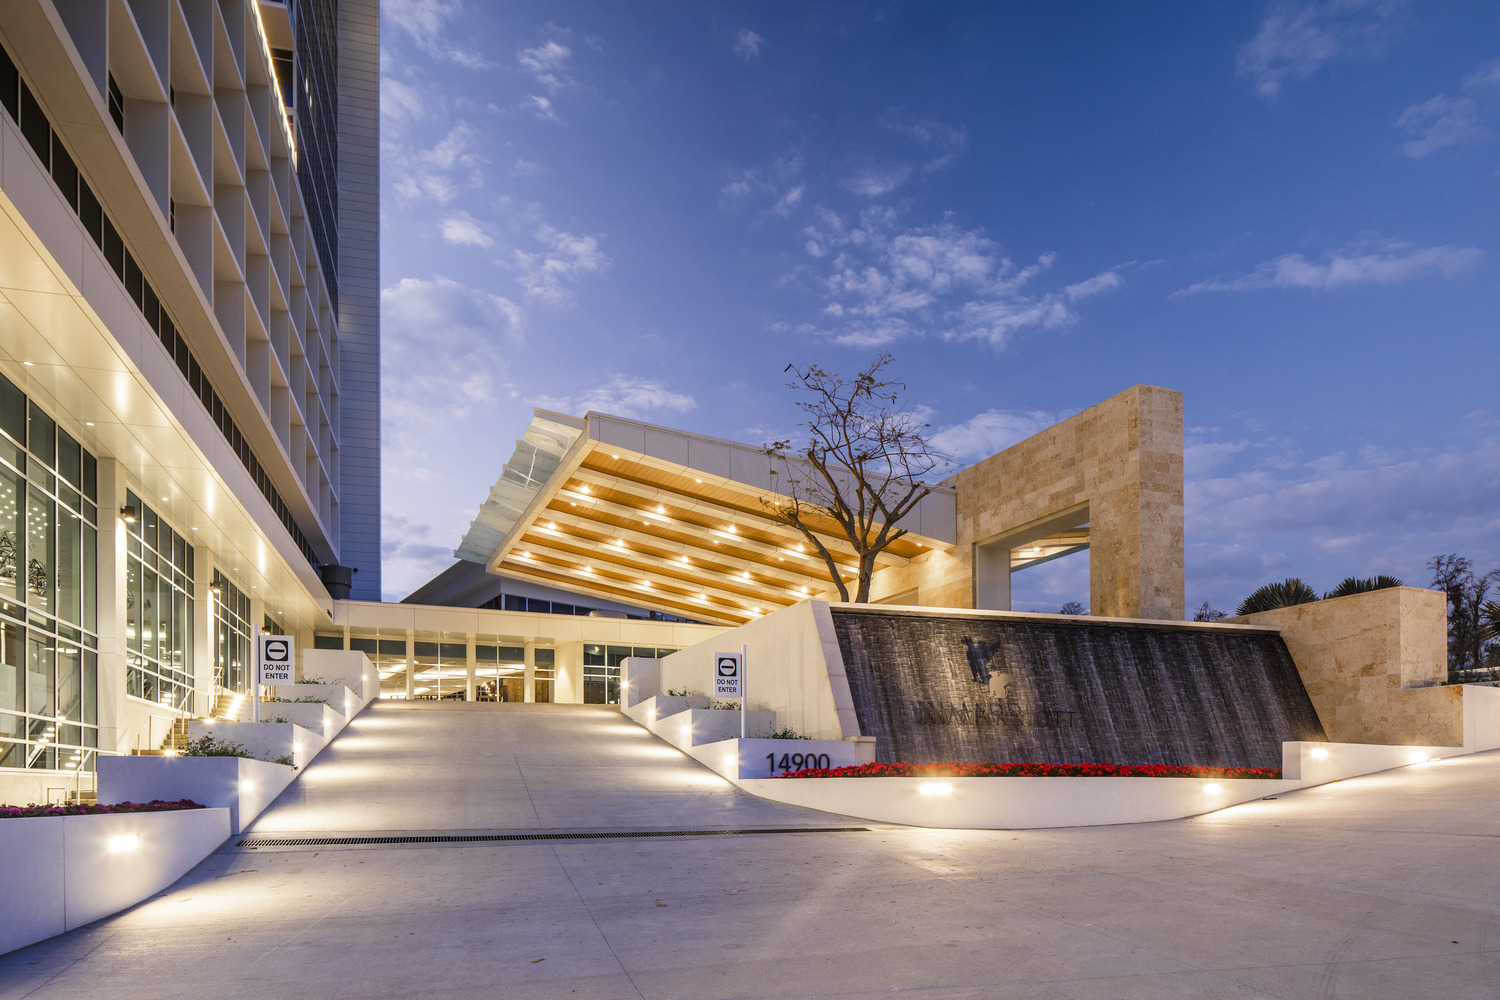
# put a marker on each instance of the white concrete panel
(625, 434)
(73, 876)
(667, 446)
(244, 787)
(32, 890)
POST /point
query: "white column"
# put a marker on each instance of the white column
(411, 664)
(115, 727)
(470, 662)
(203, 629)
(530, 675)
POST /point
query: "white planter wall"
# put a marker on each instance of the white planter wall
(266, 740)
(244, 787)
(72, 876)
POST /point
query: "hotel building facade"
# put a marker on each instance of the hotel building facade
(190, 423)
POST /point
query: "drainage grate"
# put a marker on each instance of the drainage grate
(495, 837)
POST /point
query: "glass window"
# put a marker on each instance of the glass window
(69, 458)
(12, 535)
(231, 636)
(40, 539)
(543, 674)
(41, 694)
(69, 566)
(12, 679)
(159, 621)
(12, 411)
(70, 683)
(41, 437)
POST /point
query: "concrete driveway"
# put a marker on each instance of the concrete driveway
(1377, 887)
(454, 766)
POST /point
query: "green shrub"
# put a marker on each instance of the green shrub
(210, 745)
(785, 733)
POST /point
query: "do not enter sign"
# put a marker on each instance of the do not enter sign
(275, 659)
(729, 675)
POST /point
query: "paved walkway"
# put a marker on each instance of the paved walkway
(457, 766)
(1372, 888)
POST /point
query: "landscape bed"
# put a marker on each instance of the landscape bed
(971, 769)
(93, 809)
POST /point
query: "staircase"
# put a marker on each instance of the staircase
(175, 741)
(227, 706)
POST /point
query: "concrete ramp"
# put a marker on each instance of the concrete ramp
(414, 767)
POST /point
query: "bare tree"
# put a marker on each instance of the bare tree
(1466, 591)
(862, 471)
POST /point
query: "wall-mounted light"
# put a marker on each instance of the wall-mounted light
(127, 513)
(935, 788)
(216, 588)
(1213, 789)
(125, 842)
(1319, 753)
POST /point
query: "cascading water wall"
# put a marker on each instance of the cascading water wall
(940, 687)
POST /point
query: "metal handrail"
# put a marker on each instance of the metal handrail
(78, 773)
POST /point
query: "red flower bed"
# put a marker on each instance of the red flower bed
(88, 809)
(970, 769)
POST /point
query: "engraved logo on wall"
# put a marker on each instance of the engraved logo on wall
(1003, 704)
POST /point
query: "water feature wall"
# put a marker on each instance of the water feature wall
(938, 687)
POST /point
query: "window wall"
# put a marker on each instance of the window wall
(231, 613)
(601, 670)
(500, 672)
(158, 611)
(48, 592)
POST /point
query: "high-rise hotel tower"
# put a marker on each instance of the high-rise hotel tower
(189, 356)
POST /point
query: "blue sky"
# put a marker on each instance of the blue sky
(1287, 212)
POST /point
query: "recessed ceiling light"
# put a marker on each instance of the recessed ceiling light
(88, 423)
(28, 364)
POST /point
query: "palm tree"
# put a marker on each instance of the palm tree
(1356, 585)
(1285, 594)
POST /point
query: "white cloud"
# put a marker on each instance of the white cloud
(884, 281)
(1105, 281)
(1330, 516)
(426, 21)
(1444, 121)
(463, 229)
(990, 432)
(874, 181)
(548, 63)
(1487, 75)
(1438, 123)
(1295, 40)
(541, 107)
(408, 557)
(789, 200)
(400, 101)
(777, 182)
(437, 173)
(546, 275)
(622, 396)
(948, 141)
(747, 46)
(443, 362)
(1386, 263)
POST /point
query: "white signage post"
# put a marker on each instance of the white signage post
(729, 680)
(273, 659)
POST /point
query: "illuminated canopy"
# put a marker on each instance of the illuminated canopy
(668, 520)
